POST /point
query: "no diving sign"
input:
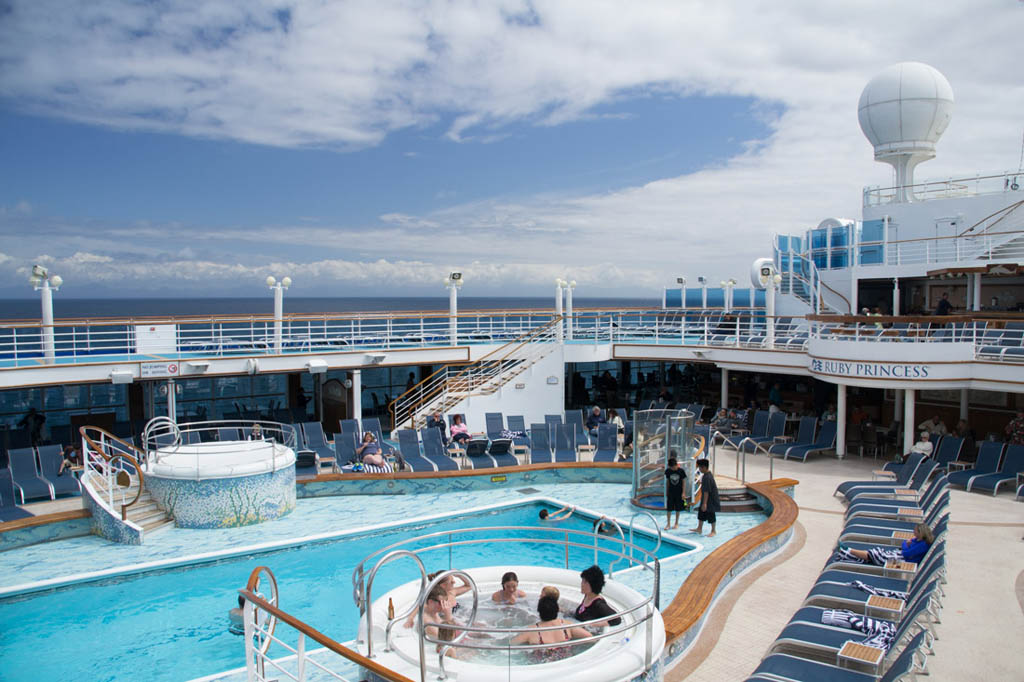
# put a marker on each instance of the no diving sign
(150, 370)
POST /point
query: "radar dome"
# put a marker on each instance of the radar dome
(903, 112)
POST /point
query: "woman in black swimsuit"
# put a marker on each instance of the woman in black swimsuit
(593, 606)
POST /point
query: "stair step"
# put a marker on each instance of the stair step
(157, 525)
(146, 516)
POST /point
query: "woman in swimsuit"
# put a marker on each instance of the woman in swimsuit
(547, 609)
(593, 606)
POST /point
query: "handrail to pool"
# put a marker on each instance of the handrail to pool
(107, 474)
(657, 527)
(387, 559)
(155, 436)
(598, 524)
(255, 627)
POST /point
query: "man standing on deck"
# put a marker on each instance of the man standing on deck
(944, 307)
(709, 502)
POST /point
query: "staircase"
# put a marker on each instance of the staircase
(146, 514)
(447, 387)
(738, 501)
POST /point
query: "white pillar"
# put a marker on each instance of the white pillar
(908, 420)
(895, 296)
(724, 400)
(897, 408)
(840, 420)
(278, 316)
(357, 393)
(963, 403)
(172, 401)
(46, 294)
(558, 308)
(769, 311)
(568, 309)
(704, 296)
(977, 291)
(453, 312)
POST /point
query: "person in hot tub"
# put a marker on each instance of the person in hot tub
(509, 592)
(593, 606)
(547, 609)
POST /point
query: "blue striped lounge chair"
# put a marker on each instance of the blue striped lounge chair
(540, 444)
(1013, 462)
(788, 667)
(989, 455)
(517, 424)
(372, 424)
(27, 481)
(916, 482)
(883, 529)
(842, 594)
(565, 443)
(50, 458)
(933, 564)
(826, 441)
(433, 450)
(607, 443)
(937, 493)
(9, 510)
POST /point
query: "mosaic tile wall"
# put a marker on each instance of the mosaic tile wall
(225, 502)
(109, 526)
(72, 528)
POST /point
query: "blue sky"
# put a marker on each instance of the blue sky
(365, 148)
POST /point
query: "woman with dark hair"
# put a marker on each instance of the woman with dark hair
(509, 591)
(460, 432)
(593, 606)
(547, 609)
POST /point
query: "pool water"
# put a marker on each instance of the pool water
(172, 624)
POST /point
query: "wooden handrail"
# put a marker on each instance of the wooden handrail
(324, 640)
(1005, 210)
(110, 458)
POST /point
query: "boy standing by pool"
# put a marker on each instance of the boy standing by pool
(674, 498)
(709, 502)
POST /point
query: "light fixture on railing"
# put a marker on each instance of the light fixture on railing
(454, 282)
(46, 284)
(278, 289)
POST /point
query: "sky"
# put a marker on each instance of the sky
(191, 148)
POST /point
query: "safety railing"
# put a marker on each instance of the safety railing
(626, 550)
(263, 619)
(111, 468)
(447, 386)
(992, 183)
(163, 437)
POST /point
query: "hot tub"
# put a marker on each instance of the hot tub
(223, 484)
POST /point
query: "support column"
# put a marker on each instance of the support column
(840, 421)
(568, 309)
(278, 316)
(895, 296)
(769, 312)
(46, 294)
(724, 400)
(357, 393)
(559, 328)
(908, 420)
(453, 313)
(977, 291)
(172, 401)
(963, 403)
(897, 408)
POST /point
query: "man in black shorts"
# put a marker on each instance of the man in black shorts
(674, 499)
(709, 502)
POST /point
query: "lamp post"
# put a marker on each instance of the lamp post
(569, 286)
(278, 289)
(681, 281)
(769, 304)
(46, 284)
(559, 283)
(703, 282)
(727, 290)
(454, 282)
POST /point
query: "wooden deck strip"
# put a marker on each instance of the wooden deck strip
(695, 595)
(466, 472)
(43, 519)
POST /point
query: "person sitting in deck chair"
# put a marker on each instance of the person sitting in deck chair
(369, 452)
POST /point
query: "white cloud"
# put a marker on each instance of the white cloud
(346, 75)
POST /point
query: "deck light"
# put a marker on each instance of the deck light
(45, 283)
(278, 289)
(454, 282)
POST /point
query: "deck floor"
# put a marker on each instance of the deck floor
(983, 611)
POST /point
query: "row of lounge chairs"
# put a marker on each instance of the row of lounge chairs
(766, 436)
(880, 513)
(32, 474)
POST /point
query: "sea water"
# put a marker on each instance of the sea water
(172, 624)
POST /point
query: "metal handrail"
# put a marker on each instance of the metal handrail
(386, 559)
(271, 431)
(597, 534)
(90, 448)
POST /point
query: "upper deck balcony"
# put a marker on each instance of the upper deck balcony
(998, 182)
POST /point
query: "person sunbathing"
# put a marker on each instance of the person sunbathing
(912, 550)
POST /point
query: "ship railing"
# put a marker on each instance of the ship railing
(111, 468)
(999, 182)
(615, 547)
(163, 437)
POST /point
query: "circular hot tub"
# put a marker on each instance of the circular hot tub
(223, 484)
(623, 655)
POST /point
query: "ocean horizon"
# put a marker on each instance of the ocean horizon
(29, 308)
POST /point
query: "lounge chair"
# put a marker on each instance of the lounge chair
(433, 450)
(936, 493)
(989, 455)
(316, 440)
(565, 443)
(307, 463)
(574, 418)
(226, 433)
(517, 424)
(495, 424)
(804, 437)
(1013, 462)
(372, 424)
(500, 451)
(409, 444)
(349, 426)
(916, 482)
(841, 594)
(826, 441)
(50, 459)
(9, 511)
(862, 528)
(903, 476)
(345, 447)
(553, 421)
(776, 428)
(540, 444)
(933, 564)
(788, 667)
(27, 481)
(607, 443)
(948, 452)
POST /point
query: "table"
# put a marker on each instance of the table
(882, 473)
(902, 535)
(959, 466)
(857, 655)
(905, 492)
(909, 514)
(900, 569)
(329, 462)
(784, 439)
(890, 607)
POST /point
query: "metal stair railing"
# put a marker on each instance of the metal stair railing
(447, 387)
(104, 457)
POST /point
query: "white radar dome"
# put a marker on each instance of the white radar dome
(903, 112)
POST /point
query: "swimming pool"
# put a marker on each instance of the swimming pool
(173, 623)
